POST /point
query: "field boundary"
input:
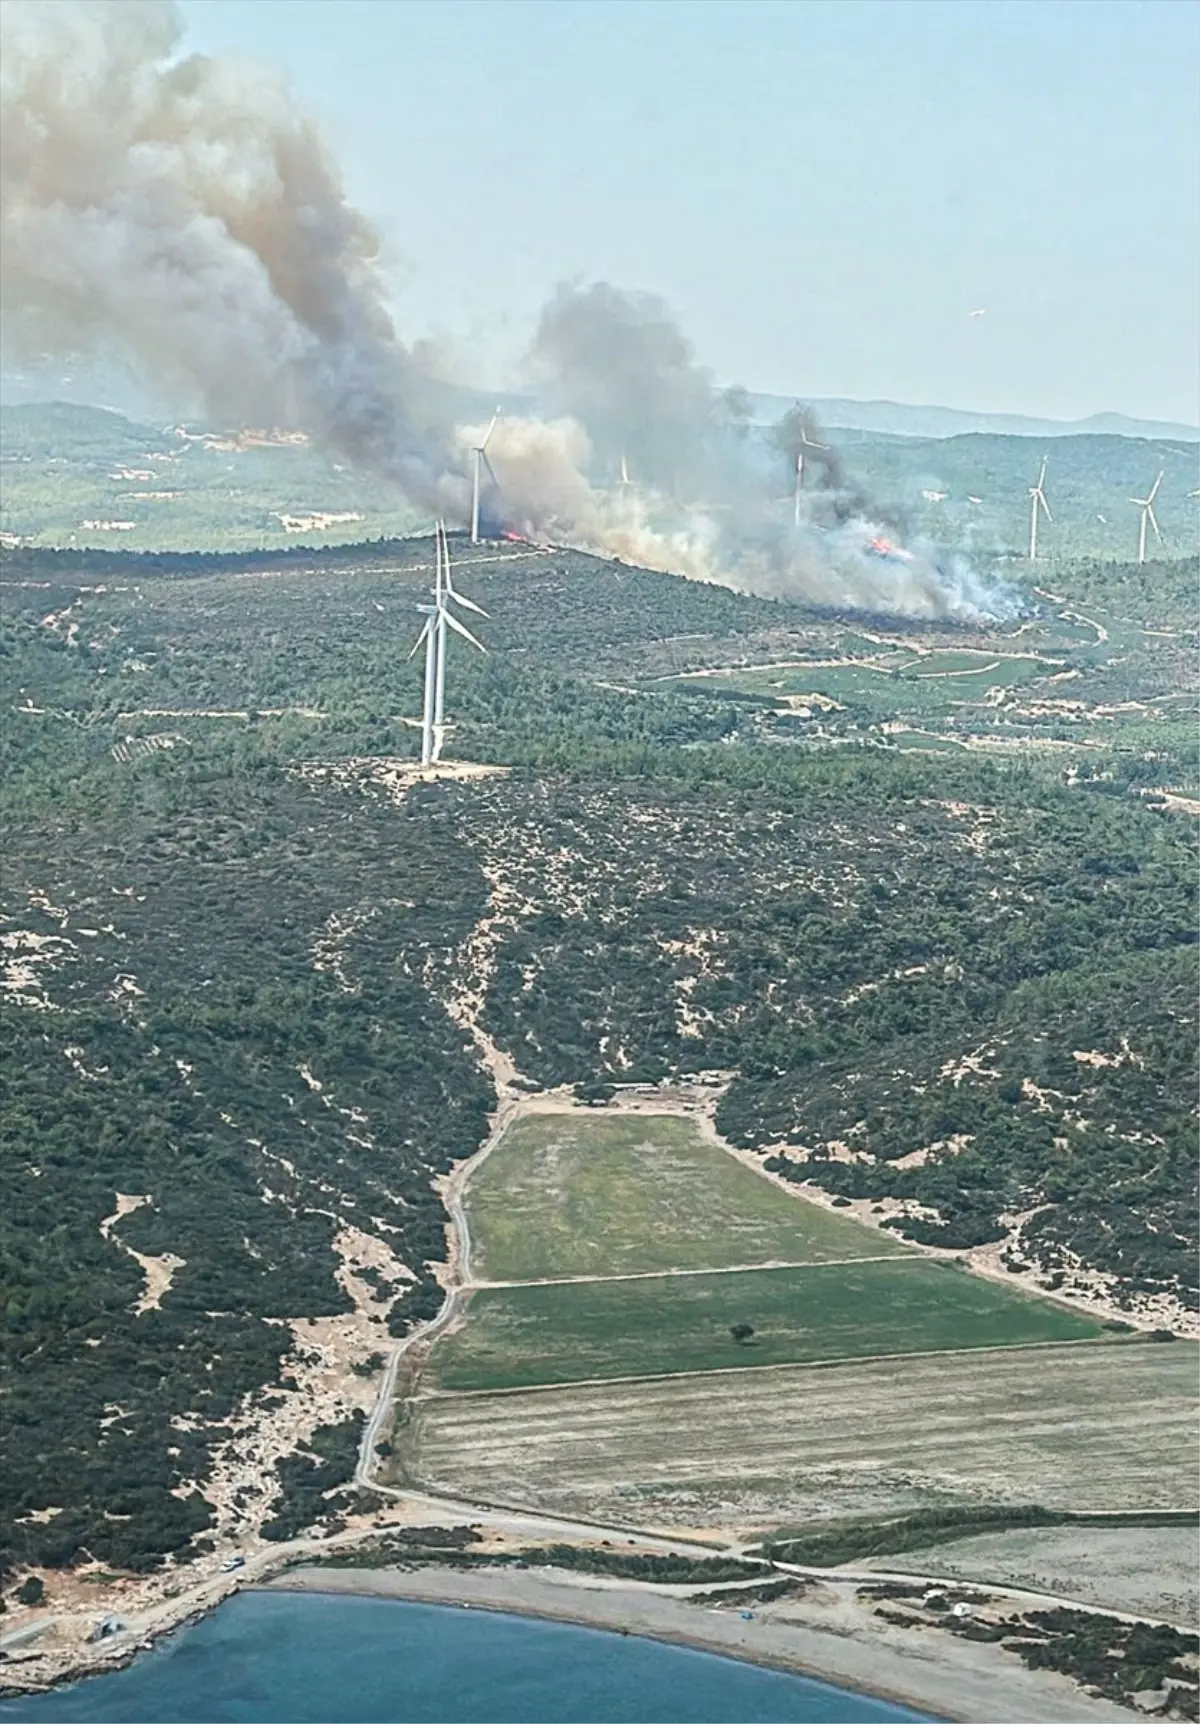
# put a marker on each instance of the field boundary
(673, 1274)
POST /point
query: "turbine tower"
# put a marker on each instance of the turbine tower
(1146, 505)
(1037, 501)
(439, 620)
(480, 462)
(806, 442)
(445, 621)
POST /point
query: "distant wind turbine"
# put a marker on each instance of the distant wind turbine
(806, 442)
(1146, 505)
(1038, 495)
(439, 619)
(480, 462)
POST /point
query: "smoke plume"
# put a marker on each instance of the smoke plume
(187, 211)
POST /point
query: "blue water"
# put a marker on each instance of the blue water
(300, 1658)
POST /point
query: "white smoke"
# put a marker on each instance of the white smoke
(186, 211)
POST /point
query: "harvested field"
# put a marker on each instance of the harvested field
(564, 1194)
(1069, 1427)
(1148, 1570)
(515, 1337)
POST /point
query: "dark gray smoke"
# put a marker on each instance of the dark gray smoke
(186, 211)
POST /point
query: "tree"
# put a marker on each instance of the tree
(32, 1590)
(741, 1332)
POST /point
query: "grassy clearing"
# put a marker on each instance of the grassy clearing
(515, 1337)
(566, 1195)
(830, 1546)
(1151, 1569)
(1082, 1428)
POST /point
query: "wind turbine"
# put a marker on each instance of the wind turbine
(439, 620)
(1146, 505)
(444, 620)
(1038, 501)
(481, 461)
(806, 442)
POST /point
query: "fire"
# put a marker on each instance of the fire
(882, 547)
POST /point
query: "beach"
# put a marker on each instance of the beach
(825, 1633)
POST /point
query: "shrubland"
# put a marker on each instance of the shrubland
(208, 894)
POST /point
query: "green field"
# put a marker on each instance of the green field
(565, 1195)
(518, 1337)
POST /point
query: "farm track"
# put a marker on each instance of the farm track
(669, 1274)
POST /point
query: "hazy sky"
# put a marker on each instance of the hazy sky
(823, 190)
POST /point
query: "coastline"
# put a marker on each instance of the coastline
(824, 1634)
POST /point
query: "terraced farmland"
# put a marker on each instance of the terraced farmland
(566, 1194)
(1070, 1427)
(517, 1337)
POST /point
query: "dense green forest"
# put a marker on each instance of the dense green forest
(229, 957)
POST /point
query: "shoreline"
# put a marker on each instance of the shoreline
(824, 1635)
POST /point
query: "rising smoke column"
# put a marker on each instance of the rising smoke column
(187, 211)
(706, 496)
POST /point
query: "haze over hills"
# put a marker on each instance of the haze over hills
(906, 419)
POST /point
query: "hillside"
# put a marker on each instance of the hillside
(927, 925)
(89, 476)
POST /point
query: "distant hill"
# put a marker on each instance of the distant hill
(901, 419)
(77, 475)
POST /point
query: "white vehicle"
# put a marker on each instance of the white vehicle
(231, 1563)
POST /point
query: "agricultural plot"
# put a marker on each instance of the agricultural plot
(1082, 1428)
(516, 1337)
(565, 1195)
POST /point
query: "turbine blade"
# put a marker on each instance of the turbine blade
(1154, 488)
(467, 604)
(462, 629)
(1154, 522)
(420, 638)
(1045, 506)
(491, 470)
(488, 433)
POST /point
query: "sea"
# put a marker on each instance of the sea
(304, 1658)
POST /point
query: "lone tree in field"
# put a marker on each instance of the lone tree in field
(742, 1332)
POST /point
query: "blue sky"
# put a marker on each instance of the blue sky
(822, 191)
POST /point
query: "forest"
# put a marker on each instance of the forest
(230, 958)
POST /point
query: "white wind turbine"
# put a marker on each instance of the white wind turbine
(1146, 505)
(439, 619)
(481, 461)
(1037, 501)
(806, 442)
